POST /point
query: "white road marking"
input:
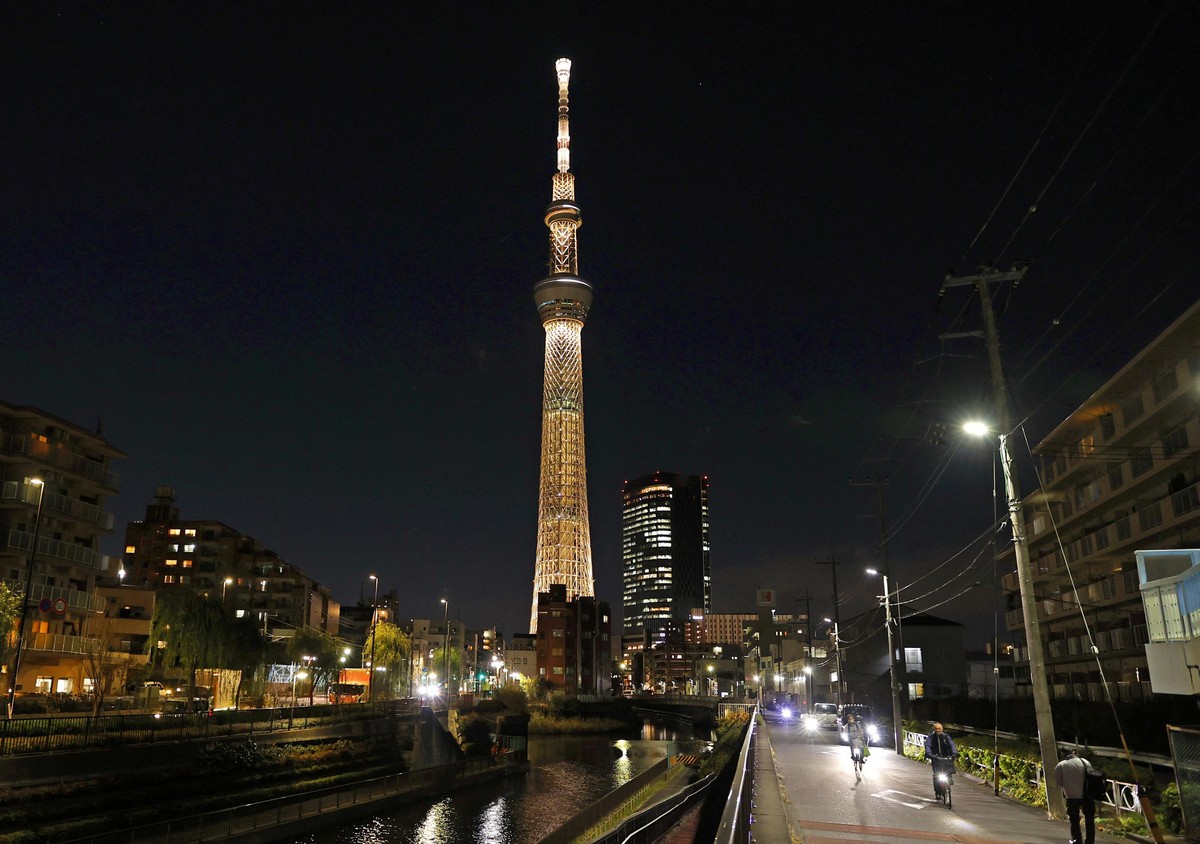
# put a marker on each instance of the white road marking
(921, 803)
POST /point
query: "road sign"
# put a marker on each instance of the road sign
(60, 606)
(44, 605)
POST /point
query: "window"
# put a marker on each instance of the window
(1131, 410)
(1175, 442)
(40, 626)
(1141, 462)
(558, 669)
(64, 686)
(168, 578)
(556, 634)
(1116, 477)
(1165, 385)
(912, 660)
(173, 532)
(43, 684)
(189, 532)
(916, 690)
(130, 549)
(170, 562)
(1107, 426)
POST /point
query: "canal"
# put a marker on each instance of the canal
(566, 774)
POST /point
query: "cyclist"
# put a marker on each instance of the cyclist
(856, 735)
(940, 750)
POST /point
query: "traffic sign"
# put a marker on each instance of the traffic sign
(60, 606)
(44, 605)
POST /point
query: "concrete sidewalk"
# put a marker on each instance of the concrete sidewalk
(818, 802)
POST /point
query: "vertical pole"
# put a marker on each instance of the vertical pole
(1033, 633)
(897, 726)
(374, 631)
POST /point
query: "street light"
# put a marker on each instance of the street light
(374, 622)
(16, 666)
(446, 646)
(1033, 630)
(887, 613)
(296, 675)
(224, 585)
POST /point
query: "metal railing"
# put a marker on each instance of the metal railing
(736, 820)
(82, 732)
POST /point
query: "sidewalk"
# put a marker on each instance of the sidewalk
(819, 803)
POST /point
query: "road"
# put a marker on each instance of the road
(894, 800)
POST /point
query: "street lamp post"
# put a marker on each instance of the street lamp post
(374, 623)
(296, 675)
(1033, 632)
(887, 614)
(446, 646)
(224, 586)
(20, 645)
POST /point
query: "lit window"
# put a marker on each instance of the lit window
(168, 578)
(130, 549)
(187, 564)
(912, 660)
(43, 684)
(190, 548)
(173, 532)
(190, 532)
(170, 562)
(916, 690)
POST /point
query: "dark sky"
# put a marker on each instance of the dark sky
(286, 253)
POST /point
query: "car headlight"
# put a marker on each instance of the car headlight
(785, 713)
(845, 736)
(872, 733)
(810, 724)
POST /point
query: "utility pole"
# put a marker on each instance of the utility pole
(808, 626)
(832, 562)
(893, 675)
(1033, 631)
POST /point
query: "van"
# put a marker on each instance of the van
(823, 716)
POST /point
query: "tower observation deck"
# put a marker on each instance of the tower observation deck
(564, 545)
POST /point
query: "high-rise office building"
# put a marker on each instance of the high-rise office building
(664, 550)
(564, 545)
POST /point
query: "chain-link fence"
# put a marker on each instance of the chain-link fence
(1185, 750)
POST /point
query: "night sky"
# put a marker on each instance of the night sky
(286, 253)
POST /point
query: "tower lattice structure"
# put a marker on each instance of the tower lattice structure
(564, 545)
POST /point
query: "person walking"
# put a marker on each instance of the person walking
(856, 736)
(1071, 776)
(941, 751)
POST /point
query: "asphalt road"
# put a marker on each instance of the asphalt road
(894, 801)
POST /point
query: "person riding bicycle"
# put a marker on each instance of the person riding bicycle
(856, 735)
(940, 750)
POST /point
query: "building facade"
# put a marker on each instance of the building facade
(574, 647)
(1121, 473)
(56, 480)
(564, 544)
(211, 558)
(664, 551)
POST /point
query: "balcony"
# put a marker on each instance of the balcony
(85, 602)
(1170, 584)
(58, 643)
(53, 548)
(54, 502)
(58, 455)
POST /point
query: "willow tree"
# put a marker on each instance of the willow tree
(10, 608)
(188, 631)
(389, 647)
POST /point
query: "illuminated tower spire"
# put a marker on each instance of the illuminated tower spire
(564, 544)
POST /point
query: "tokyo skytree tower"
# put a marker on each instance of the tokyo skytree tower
(564, 544)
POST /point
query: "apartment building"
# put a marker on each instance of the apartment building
(165, 551)
(55, 480)
(1121, 473)
(574, 648)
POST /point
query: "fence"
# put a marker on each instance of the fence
(285, 811)
(1185, 748)
(735, 820)
(46, 734)
(1122, 796)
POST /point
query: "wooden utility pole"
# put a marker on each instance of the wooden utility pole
(832, 562)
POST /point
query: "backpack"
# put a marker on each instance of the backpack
(1095, 785)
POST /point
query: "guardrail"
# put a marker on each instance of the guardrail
(735, 820)
(65, 732)
(650, 825)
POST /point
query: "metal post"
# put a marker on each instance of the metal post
(897, 726)
(374, 625)
(20, 645)
(446, 646)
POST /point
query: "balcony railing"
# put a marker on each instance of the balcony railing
(76, 600)
(59, 455)
(60, 643)
(81, 510)
(23, 541)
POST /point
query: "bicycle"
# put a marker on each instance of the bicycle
(943, 779)
(856, 757)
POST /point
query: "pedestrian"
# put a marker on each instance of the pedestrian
(940, 750)
(1071, 776)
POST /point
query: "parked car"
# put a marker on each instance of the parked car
(822, 716)
(862, 713)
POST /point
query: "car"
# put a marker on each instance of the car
(862, 713)
(823, 716)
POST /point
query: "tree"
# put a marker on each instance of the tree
(391, 651)
(324, 652)
(246, 651)
(192, 630)
(102, 661)
(10, 609)
(439, 663)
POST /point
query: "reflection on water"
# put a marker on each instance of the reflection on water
(567, 773)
